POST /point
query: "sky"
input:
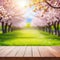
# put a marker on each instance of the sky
(29, 14)
(29, 20)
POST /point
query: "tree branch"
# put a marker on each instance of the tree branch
(58, 18)
(51, 5)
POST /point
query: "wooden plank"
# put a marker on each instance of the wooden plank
(56, 48)
(35, 52)
(4, 49)
(13, 52)
(1, 47)
(4, 53)
(54, 52)
(21, 52)
(28, 52)
(45, 52)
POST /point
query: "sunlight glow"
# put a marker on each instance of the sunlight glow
(22, 3)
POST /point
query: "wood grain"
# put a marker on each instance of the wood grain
(29, 51)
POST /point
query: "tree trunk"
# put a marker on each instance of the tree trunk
(46, 28)
(6, 25)
(49, 27)
(3, 29)
(10, 28)
(55, 28)
(0, 19)
(52, 29)
(58, 28)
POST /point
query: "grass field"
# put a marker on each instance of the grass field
(29, 37)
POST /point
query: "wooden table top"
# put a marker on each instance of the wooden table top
(29, 51)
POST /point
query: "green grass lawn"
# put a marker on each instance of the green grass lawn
(29, 37)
